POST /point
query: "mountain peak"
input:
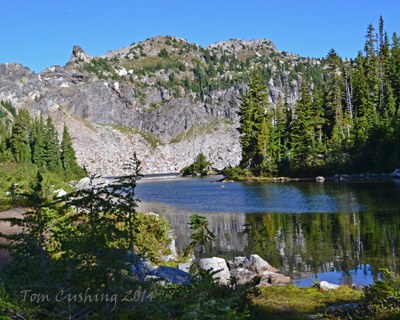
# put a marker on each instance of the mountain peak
(78, 55)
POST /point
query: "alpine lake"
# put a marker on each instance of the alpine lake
(340, 232)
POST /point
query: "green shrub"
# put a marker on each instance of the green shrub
(199, 166)
(235, 173)
(152, 236)
(381, 300)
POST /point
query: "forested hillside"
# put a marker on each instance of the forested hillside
(28, 145)
(349, 122)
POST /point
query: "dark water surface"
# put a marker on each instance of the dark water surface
(339, 232)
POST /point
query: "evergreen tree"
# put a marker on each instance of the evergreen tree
(371, 65)
(282, 123)
(363, 104)
(68, 157)
(39, 143)
(319, 120)
(394, 70)
(4, 137)
(52, 145)
(256, 129)
(302, 138)
(20, 137)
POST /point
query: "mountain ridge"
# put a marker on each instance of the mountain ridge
(164, 97)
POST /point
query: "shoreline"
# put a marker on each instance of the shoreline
(362, 177)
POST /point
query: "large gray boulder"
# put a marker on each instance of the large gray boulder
(216, 264)
(253, 263)
(171, 275)
(243, 276)
(273, 279)
(245, 269)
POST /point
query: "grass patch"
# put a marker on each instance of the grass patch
(24, 176)
(151, 139)
(199, 130)
(292, 303)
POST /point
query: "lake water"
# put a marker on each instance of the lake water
(340, 232)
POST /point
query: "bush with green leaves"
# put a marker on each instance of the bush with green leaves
(202, 298)
(381, 300)
(152, 236)
(236, 173)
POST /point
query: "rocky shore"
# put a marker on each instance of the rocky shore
(238, 271)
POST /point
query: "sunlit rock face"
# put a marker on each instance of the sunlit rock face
(163, 98)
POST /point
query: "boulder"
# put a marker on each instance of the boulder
(171, 275)
(273, 279)
(184, 266)
(324, 285)
(252, 263)
(216, 264)
(143, 267)
(242, 275)
(60, 193)
(88, 183)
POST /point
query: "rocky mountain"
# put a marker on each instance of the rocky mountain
(164, 98)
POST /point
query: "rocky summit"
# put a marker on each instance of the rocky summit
(163, 98)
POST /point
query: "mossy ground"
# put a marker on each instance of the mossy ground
(292, 303)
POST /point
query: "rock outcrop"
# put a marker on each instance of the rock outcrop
(256, 268)
(244, 270)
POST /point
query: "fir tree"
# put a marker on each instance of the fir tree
(256, 128)
(52, 145)
(20, 137)
(302, 138)
(39, 143)
(363, 103)
(68, 157)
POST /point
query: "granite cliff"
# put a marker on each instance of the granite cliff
(164, 98)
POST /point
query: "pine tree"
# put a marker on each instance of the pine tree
(363, 104)
(52, 145)
(39, 144)
(319, 120)
(302, 138)
(394, 71)
(4, 136)
(20, 137)
(256, 128)
(282, 122)
(371, 66)
(68, 157)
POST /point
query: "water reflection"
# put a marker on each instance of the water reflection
(345, 232)
(363, 275)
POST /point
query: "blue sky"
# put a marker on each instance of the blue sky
(41, 33)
